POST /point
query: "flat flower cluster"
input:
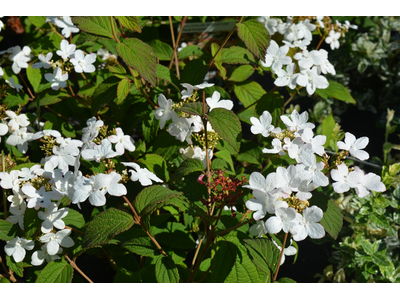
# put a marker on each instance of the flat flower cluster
(59, 177)
(283, 195)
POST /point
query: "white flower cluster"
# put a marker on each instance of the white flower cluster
(182, 128)
(274, 194)
(56, 180)
(310, 64)
(65, 23)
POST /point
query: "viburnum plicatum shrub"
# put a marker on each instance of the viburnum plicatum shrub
(115, 145)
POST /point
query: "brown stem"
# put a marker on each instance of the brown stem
(208, 162)
(203, 253)
(113, 30)
(290, 99)
(173, 45)
(112, 261)
(234, 227)
(136, 216)
(197, 251)
(204, 275)
(224, 43)
(73, 264)
(280, 257)
(8, 273)
(147, 98)
(176, 45)
(73, 229)
(3, 167)
(26, 85)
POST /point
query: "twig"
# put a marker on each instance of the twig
(290, 99)
(357, 160)
(173, 45)
(26, 85)
(73, 264)
(280, 257)
(177, 43)
(234, 227)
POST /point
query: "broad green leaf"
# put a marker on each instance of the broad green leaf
(38, 21)
(241, 73)
(166, 271)
(255, 36)
(4, 280)
(332, 219)
(74, 218)
(162, 50)
(34, 77)
(367, 246)
(56, 272)
(123, 90)
(156, 164)
(195, 108)
(219, 164)
(186, 167)
(48, 97)
(273, 103)
(226, 156)
(68, 130)
(250, 153)
(142, 246)
(166, 74)
(117, 69)
(139, 56)
(17, 268)
(130, 22)
(248, 92)
(379, 220)
(191, 50)
(264, 254)
(32, 223)
(194, 71)
(7, 230)
(285, 280)
(167, 146)
(227, 125)
(231, 263)
(236, 55)
(380, 259)
(337, 91)
(246, 114)
(105, 226)
(327, 129)
(154, 197)
(100, 25)
(104, 93)
(13, 101)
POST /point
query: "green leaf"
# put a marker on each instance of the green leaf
(166, 74)
(56, 272)
(162, 50)
(285, 280)
(17, 268)
(150, 127)
(142, 246)
(273, 103)
(227, 125)
(379, 220)
(74, 218)
(236, 55)
(337, 91)
(226, 156)
(264, 254)
(332, 219)
(248, 92)
(104, 93)
(7, 230)
(100, 25)
(231, 263)
(186, 167)
(68, 130)
(32, 223)
(130, 22)
(367, 246)
(255, 36)
(105, 226)
(139, 56)
(123, 90)
(48, 97)
(191, 50)
(241, 73)
(4, 280)
(156, 164)
(154, 197)
(166, 271)
(195, 108)
(117, 69)
(37, 20)
(34, 77)
(194, 71)
(328, 124)
(167, 146)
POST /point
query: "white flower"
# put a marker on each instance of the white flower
(58, 79)
(9, 180)
(20, 58)
(263, 203)
(333, 39)
(63, 157)
(55, 240)
(311, 80)
(287, 180)
(18, 214)
(67, 50)
(263, 126)
(284, 219)
(289, 251)
(17, 121)
(3, 129)
(305, 29)
(44, 61)
(302, 44)
(297, 122)
(13, 84)
(40, 198)
(122, 141)
(92, 129)
(277, 144)
(214, 102)
(16, 248)
(142, 174)
(325, 66)
(164, 112)
(52, 217)
(83, 63)
(317, 143)
(363, 184)
(307, 59)
(269, 23)
(27, 174)
(340, 176)
(201, 155)
(181, 129)
(260, 183)
(38, 257)
(312, 170)
(354, 146)
(66, 24)
(276, 56)
(287, 78)
(1, 70)
(307, 225)
(100, 152)
(20, 138)
(258, 229)
(347, 25)
(189, 88)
